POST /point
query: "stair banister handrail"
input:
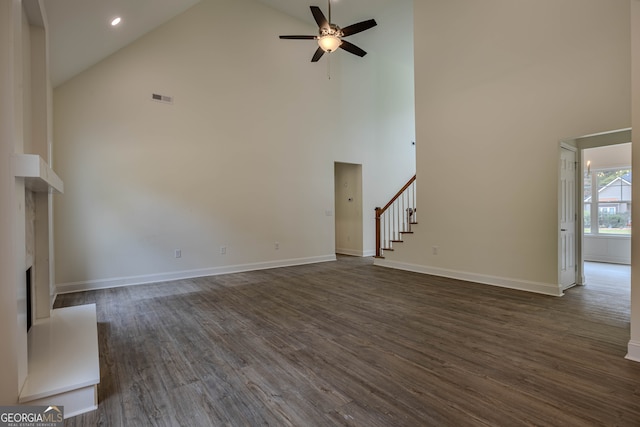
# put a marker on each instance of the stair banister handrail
(380, 211)
(398, 194)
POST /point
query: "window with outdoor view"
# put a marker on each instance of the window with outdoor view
(607, 201)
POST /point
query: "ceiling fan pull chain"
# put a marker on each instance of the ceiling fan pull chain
(329, 67)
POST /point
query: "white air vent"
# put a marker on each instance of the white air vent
(162, 98)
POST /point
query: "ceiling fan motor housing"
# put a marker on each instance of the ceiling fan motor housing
(332, 30)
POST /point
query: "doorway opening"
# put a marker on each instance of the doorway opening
(348, 209)
(607, 204)
(603, 202)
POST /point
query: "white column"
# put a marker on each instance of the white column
(634, 342)
(13, 351)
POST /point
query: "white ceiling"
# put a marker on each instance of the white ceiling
(343, 12)
(81, 34)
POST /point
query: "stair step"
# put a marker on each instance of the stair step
(396, 241)
(406, 232)
(387, 249)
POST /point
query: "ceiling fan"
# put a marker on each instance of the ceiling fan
(330, 35)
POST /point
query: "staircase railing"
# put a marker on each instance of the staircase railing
(396, 218)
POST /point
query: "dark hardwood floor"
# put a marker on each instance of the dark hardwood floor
(348, 343)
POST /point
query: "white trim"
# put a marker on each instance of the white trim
(568, 146)
(601, 139)
(633, 351)
(64, 288)
(350, 252)
(608, 259)
(504, 282)
(75, 402)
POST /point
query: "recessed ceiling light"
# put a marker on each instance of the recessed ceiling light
(116, 21)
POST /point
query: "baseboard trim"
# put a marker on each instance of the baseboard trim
(503, 282)
(350, 252)
(65, 288)
(608, 259)
(633, 351)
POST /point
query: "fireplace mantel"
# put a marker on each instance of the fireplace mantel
(39, 177)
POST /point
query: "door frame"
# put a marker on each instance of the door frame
(348, 197)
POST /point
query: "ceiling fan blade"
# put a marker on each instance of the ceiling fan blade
(352, 48)
(359, 27)
(317, 55)
(319, 17)
(299, 37)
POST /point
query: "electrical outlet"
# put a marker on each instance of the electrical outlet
(223, 250)
(277, 245)
(177, 253)
(434, 250)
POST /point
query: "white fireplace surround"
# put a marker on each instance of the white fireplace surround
(62, 357)
(39, 182)
(56, 362)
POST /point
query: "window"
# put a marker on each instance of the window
(607, 209)
(607, 197)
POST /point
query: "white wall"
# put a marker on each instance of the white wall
(603, 248)
(243, 158)
(378, 105)
(16, 137)
(634, 342)
(8, 314)
(498, 84)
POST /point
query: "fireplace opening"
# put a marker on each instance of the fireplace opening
(29, 308)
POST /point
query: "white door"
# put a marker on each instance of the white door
(567, 218)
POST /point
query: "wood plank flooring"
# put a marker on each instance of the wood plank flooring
(347, 343)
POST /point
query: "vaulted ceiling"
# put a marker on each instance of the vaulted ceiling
(81, 34)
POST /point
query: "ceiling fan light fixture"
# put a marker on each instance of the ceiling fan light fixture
(329, 36)
(329, 42)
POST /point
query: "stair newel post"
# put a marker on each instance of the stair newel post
(378, 246)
